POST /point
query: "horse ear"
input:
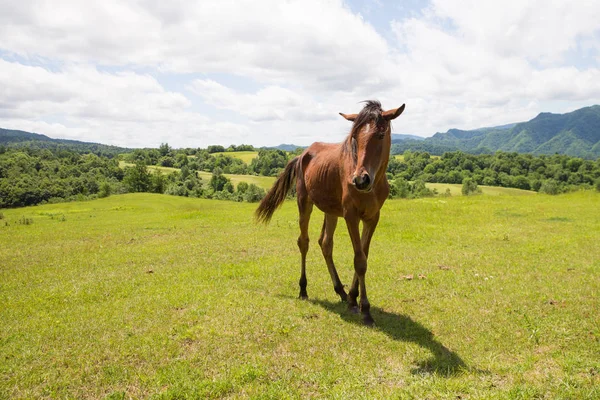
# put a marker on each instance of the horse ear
(392, 114)
(349, 117)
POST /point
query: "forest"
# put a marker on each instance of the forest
(32, 175)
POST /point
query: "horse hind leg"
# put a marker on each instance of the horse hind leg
(326, 243)
(305, 209)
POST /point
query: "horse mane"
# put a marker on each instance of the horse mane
(372, 111)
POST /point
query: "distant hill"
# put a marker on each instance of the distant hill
(16, 138)
(286, 147)
(397, 137)
(576, 134)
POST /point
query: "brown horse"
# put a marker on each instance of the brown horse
(343, 180)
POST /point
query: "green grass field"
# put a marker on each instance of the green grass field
(245, 156)
(151, 168)
(154, 296)
(456, 190)
(264, 182)
(400, 157)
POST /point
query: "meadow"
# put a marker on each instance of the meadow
(156, 296)
(264, 182)
(245, 156)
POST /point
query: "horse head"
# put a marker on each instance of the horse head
(369, 143)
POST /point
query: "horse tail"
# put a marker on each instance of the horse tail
(278, 193)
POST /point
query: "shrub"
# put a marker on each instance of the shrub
(399, 188)
(550, 186)
(419, 189)
(470, 187)
(105, 190)
(242, 187)
(254, 193)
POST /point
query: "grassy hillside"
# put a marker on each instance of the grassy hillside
(264, 182)
(142, 295)
(456, 190)
(245, 156)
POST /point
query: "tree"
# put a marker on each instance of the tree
(164, 149)
(166, 161)
(216, 149)
(158, 182)
(269, 162)
(218, 180)
(242, 187)
(181, 160)
(137, 178)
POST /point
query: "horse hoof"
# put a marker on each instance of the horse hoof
(303, 297)
(368, 321)
(353, 309)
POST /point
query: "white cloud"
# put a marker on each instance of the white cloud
(121, 108)
(83, 91)
(270, 103)
(461, 64)
(271, 41)
(538, 30)
(482, 60)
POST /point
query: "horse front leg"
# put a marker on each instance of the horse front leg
(367, 233)
(360, 270)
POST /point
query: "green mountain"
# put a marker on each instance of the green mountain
(576, 134)
(16, 138)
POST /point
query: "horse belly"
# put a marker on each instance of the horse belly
(324, 191)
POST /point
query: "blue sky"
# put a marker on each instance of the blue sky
(194, 73)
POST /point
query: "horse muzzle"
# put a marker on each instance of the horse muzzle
(363, 182)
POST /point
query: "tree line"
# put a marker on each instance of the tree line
(30, 176)
(33, 175)
(269, 162)
(551, 174)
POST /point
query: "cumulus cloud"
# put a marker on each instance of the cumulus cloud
(537, 30)
(122, 108)
(487, 60)
(271, 41)
(97, 71)
(269, 103)
(83, 91)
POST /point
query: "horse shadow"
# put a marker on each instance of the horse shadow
(443, 362)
